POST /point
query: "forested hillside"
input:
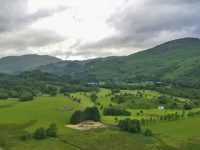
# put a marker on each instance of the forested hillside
(177, 59)
(18, 64)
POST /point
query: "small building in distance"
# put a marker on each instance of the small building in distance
(161, 107)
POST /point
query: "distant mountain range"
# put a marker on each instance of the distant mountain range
(18, 64)
(173, 60)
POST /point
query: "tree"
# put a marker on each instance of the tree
(51, 90)
(93, 97)
(3, 94)
(40, 133)
(90, 113)
(51, 131)
(76, 117)
(162, 100)
(142, 121)
(115, 91)
(161, 117)
(26, 96)
(130, 125)
(116, 119)
(95, 116)
(187, 106)
(13, 94)
(148, 132)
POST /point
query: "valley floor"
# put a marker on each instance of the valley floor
(17, 117)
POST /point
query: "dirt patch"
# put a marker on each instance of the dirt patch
(87, 125)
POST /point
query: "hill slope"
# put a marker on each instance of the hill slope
(17, 64)
(170, 60)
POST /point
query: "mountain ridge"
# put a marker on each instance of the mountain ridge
(172, 60)
(18, 64)
(167, 60)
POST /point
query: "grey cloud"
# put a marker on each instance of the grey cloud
(150, 23)
(14, 14)
(16, 34)
(22, 40)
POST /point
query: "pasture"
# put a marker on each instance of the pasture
(17, 117)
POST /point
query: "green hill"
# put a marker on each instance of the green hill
(168, 61)
(17, 64)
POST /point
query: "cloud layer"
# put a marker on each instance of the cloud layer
(146, 23)
(16, 32)
(131, 26)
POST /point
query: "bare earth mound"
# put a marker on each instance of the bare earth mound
(86, 125)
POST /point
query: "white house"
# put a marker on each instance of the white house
(161, 107)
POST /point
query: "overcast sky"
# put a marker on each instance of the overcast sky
(83, 29)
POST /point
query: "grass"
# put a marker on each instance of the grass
(43, 109)
(106, 139)
(17, 117)
(181, 129)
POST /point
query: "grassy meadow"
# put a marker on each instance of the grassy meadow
(17, 117)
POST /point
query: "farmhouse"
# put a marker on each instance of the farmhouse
(161, 107)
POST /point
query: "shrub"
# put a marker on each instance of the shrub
(148, 132)
(25, 136)
(40, 133)
(51, 131)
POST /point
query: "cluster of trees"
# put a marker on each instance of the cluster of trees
(170, 117)
(3, 94)
(133, 126)
(193, 113)
(129, 125)
(29, 84)
(51, 90)
(41, 133)
(176, 115)
(115, 111)
(90, 113)
(147, 120)
(75, 99)
(69, 88)
(180, 92)
(116, 90)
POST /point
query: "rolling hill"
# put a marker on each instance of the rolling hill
(18, 64)
(174, 59)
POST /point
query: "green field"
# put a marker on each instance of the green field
(17, 117)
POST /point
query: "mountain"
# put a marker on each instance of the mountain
(170, 60)
(17, 64)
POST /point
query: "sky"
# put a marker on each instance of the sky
(85, 29)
